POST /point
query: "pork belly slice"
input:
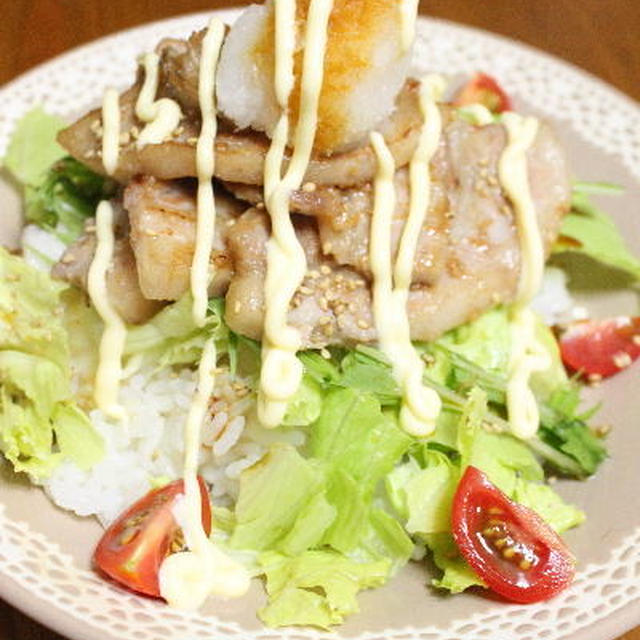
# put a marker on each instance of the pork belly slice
(239, 155)
(467, 205)
(163, 217)
(123, 288)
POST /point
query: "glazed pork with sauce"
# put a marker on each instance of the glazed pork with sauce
(468, 255)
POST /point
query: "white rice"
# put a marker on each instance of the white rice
(554, 302)
(149, 448)
(40, 248)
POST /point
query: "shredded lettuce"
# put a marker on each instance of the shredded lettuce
(574, 451)
(40, 425)
(275, 496)
(68, 195)
(457, 575)
(354, 435)
(425, 493)
(297, 509)
(172, 337)
(33, 147)
(547, 504)
(315, 588)
(305, 406)
(60, 193)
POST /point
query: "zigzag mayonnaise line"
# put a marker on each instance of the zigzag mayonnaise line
(286, 264)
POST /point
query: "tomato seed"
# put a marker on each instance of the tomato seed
(594, 379)
(502, 542)
(622, 359)
(525, 565)
(128, 535)
(178, 542)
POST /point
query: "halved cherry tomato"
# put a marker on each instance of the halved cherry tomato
(601, 348)
(134, 546)
(483, 89)
(508, 545)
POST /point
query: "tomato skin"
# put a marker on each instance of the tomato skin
(132, 549)
(485, 90)
(551, 566)
(598, 347)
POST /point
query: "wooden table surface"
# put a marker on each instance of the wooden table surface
(599, 35)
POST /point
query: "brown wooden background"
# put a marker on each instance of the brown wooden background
(602, 36)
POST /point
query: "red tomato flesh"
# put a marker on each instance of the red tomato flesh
(508, 545)
(135, 545)
(601, 348)
(485, 90)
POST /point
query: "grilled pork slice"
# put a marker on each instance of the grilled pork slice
(154, 247)
(163, 232)
(468, 257)
(239, 155)
(480, 269)
(467, 204)
(123, 288)
(332, 306)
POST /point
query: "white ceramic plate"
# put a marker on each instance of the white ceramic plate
(44, 553)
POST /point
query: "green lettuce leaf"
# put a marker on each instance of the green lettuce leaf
(75, 436)
(423, 495)
(39, 424)
(29, 311)
(65, 198)
(321, 369)
(352, 510)
(33, 147)
(60, 193)
(316, 588)
(457, 574)
(367, 369)
(591, 232)
(548, 505)
(309, 526)
(172, 336)
(353, 434)
(572, 438)
(384, 539)
(486, 341)
(276, 496)
(306, 405)
(501, 456)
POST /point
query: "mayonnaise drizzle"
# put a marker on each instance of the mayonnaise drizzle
(188, 578)
(109, 370)
(527, 355)
(408, 13)
(162, 116)
(286, 263)
(205, 161)
(110, 130)
(420, 405)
